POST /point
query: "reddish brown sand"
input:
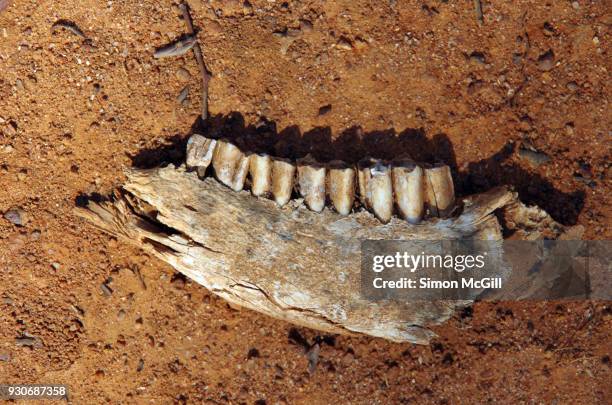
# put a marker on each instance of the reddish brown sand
(74, 114)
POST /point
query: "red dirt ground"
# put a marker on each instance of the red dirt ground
(73, 114)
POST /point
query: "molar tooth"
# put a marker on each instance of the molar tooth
(376, 185)
(341, 186)
(311, 181)
(440, 191)
(230, 164)
(409, 190)
(283, 172)
(199, 153)
(261, 174)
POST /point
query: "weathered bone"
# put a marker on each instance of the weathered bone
(311, 182)
(440, 191)
(199, 153)
(341, 186)
(295, 265)
(409, 190)
(283, 174)
(261, 174)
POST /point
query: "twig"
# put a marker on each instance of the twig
(176, 48)
(197, 51)
(478, 9)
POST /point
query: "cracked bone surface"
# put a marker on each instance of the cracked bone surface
(283, 173)
(341, 186)
(295, 265)
(409, 190)
(376, 187)
(260, 170)
(199, 153)
(440, 191)
(311, 182)
(230, 164)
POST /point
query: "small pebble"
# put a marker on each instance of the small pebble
(477, 57)
(325, 109)
(16, 216)
(305, 26)
(27, 340)
(182, 97)
(572, 86)
(546, 61)
(183, 74)
(56, 266)
(344, 44)
(313, 357)
(5, 357)
(575, 5)
(535, 158)
(11, 129)
(121, 315)
(106, 290)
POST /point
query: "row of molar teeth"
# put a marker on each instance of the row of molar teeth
(401, 185)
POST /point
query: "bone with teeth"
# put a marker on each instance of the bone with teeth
(260, 170)
(413, 188)
(408, 186)
(341, 186)
(199, 153)
(230, 164)
(311, 182)
(283, 173)
(376, 187)
(440, 191)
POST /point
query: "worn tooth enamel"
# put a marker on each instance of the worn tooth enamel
(261, 174)
(283, 173)
(409, 190)
(199, 153)
(376, 185)
(230, 164)
(341, 186)
(311, 182)
(440, 191)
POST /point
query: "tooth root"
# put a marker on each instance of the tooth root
(230, 164)
(261, 174)
(376, 187)
(199, 153)
(311, 182)
(409, 190)
(341, 186)
(440, 191)
(283, 173)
